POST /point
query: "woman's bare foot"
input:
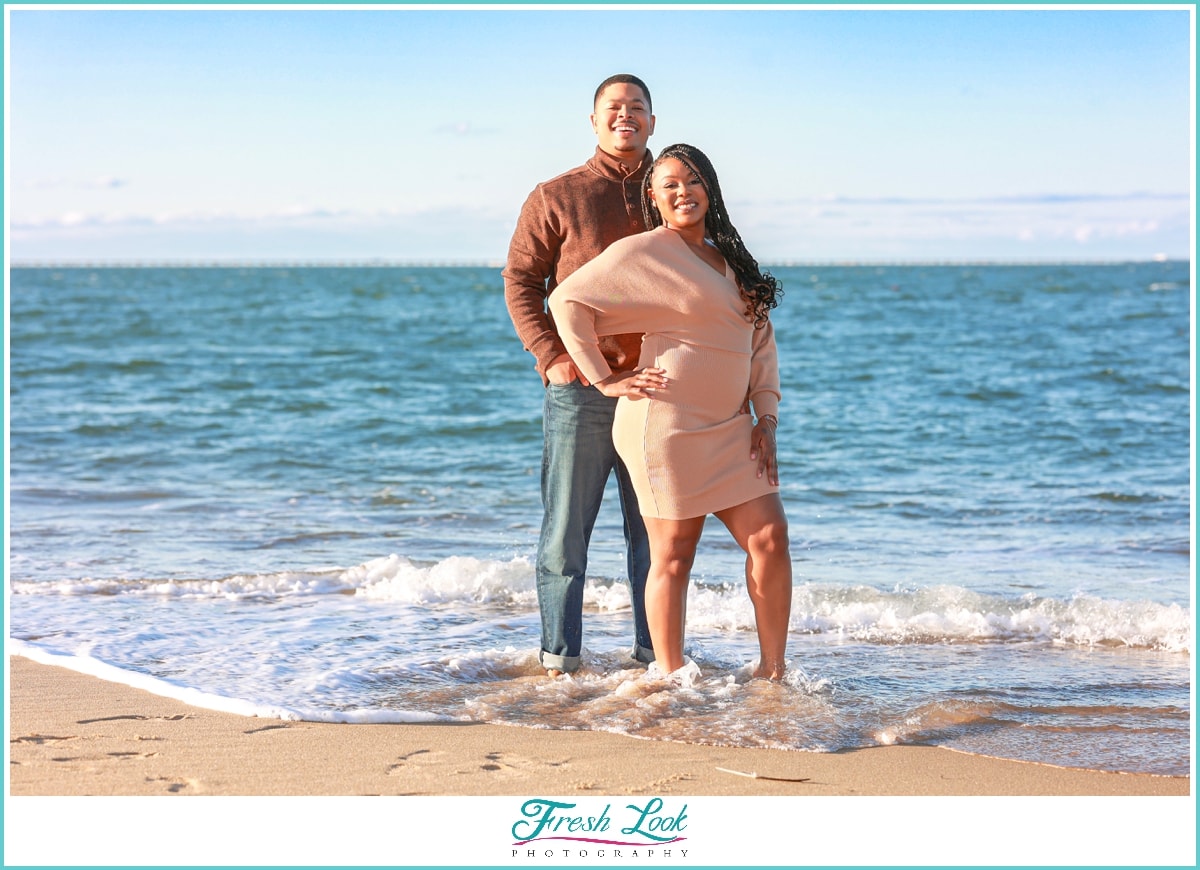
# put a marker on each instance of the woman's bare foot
(553, 673)
(769, 672)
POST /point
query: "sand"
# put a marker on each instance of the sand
(72, 734)
(283, 793)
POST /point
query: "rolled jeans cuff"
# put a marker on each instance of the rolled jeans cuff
(643, 654)
(566, 664)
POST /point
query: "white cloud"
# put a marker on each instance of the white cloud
(298, 233)
(276, 217)
(1040, 225)
(1136, 228)
(102, 182)
(464, 129)
(1045, 226)
(181, 218)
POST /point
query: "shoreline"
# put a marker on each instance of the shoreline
(72, 734)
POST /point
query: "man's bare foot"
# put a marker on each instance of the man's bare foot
(553, 673)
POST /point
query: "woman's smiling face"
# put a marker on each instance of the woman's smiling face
(678, 193)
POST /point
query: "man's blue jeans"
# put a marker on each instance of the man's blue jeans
(577, 458)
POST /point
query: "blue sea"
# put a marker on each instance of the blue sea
(312, 493)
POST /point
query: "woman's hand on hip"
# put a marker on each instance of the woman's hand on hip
(637, 384)
(763, 448)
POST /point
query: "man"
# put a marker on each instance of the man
(564, 223)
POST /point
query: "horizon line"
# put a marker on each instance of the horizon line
(457, 263)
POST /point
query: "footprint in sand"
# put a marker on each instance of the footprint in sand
(174, 718)
(39, 739)
(666, 785)
(175, 786)
(507, 764)
(266, 728)
(415, 759)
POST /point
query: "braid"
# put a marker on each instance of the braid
(760, 289)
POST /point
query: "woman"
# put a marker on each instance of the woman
(681, 426)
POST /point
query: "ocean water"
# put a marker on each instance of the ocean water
(313, 493)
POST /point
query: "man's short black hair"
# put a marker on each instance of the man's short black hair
(624, 79)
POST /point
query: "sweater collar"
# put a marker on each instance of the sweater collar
(615, 168)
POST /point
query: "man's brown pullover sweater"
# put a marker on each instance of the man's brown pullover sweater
(564, 223)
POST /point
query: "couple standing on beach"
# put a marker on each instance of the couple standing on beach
(648, 319)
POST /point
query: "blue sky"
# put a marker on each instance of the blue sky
(415, 135)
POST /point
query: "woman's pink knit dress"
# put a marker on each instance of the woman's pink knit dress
(688, 449)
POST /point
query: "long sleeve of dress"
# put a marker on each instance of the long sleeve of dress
(599, 298)
(764, 392)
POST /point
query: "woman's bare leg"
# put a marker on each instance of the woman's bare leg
(672, 552)
(760, 528)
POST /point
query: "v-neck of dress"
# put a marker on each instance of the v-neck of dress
(722, 272)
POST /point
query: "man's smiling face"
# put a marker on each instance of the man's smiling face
(622, 121)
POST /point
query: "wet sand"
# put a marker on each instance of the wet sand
(73, 737)
(73, 734)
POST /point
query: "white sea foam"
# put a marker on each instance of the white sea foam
(863, 613)
(443, 657)
(954, 613)
(459, 578)
(320, 581)
(86, 664)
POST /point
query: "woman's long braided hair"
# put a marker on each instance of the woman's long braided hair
(760, 289)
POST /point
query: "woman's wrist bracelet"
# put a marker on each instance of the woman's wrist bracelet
(770, 417)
